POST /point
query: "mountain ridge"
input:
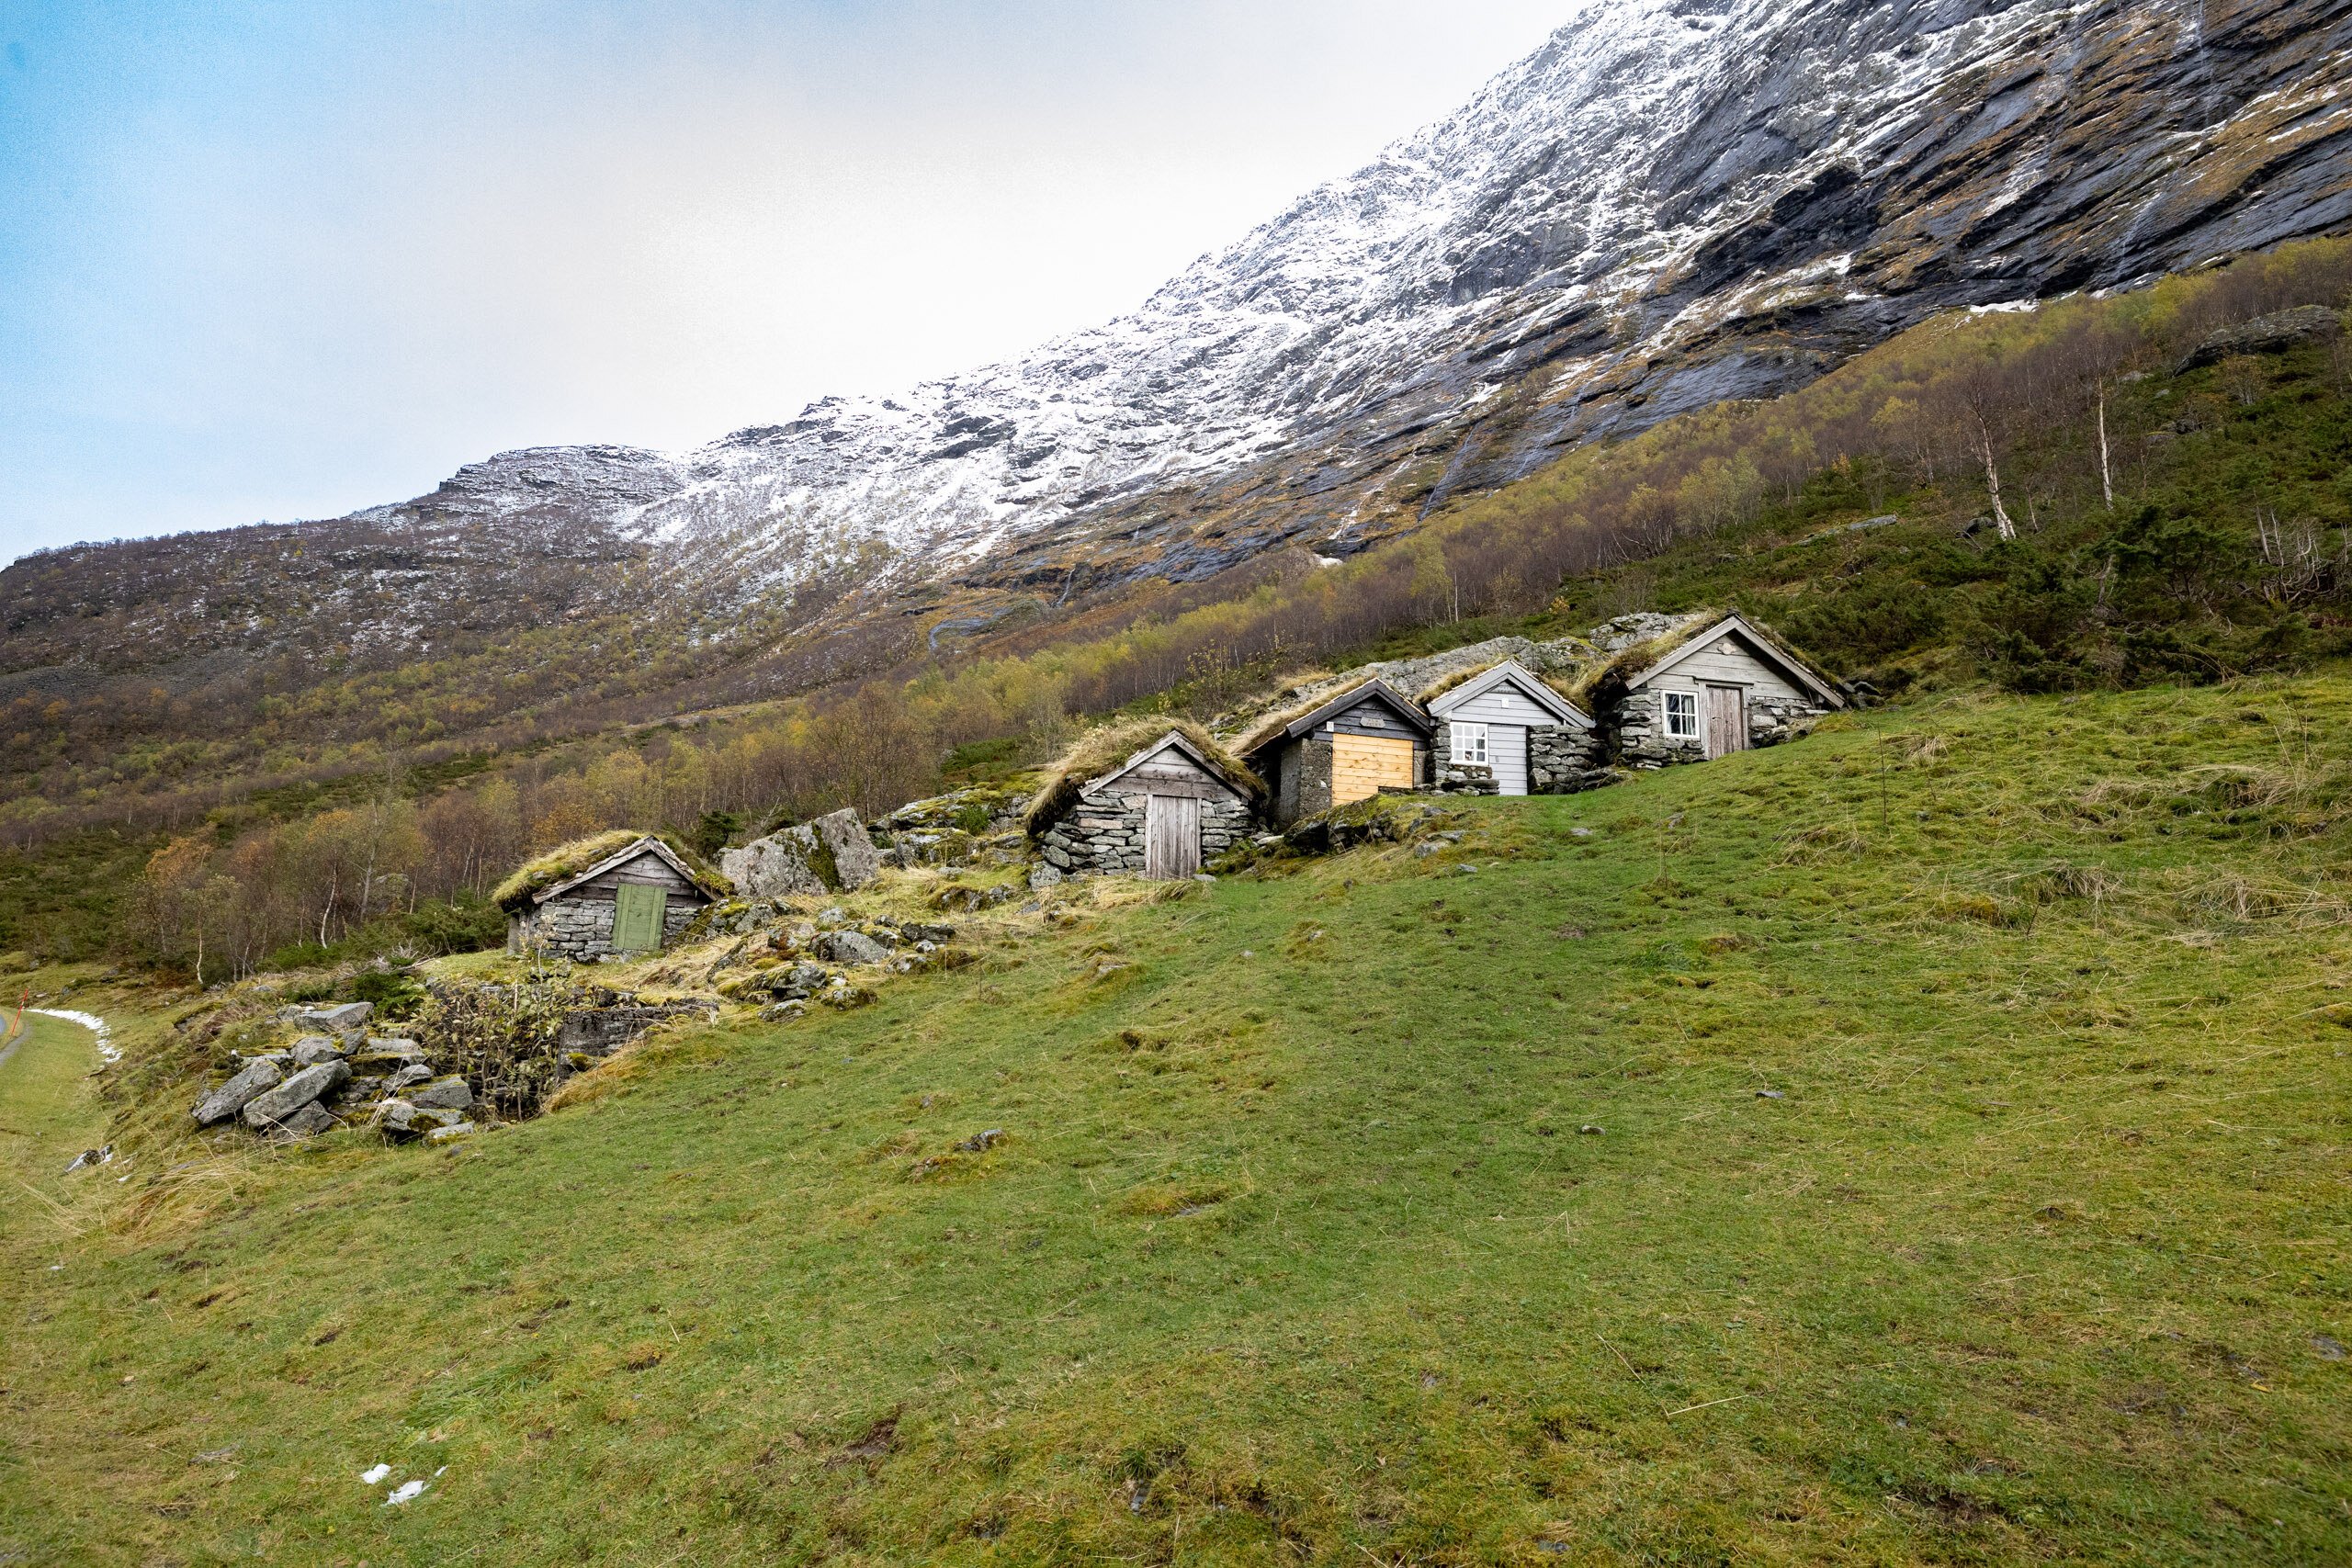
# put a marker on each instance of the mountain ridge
(1666, 205)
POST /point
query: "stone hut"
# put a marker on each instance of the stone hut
(1162, 812)
(1366, 740)
(1504, 731)
(1705, 690)
(613, 894)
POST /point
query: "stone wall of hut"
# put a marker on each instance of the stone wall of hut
(1105, 833)
(1642, 740)
(582, 928)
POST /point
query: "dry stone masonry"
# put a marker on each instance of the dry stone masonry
(1105, 834)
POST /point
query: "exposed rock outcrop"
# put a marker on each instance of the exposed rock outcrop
(833, 854)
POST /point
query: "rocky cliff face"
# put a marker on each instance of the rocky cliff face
(1672, 203)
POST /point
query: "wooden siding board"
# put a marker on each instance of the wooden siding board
(1710, 666)
(1362, 765)
(1504, 704)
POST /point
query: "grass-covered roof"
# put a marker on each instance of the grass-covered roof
(544, 871)
(1100, 750)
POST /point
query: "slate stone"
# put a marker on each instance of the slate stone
(275, 1104)
(308, 1122)
(312, 1049)
(340, 1019)
(451, 1093)
(415, 1072)
(451, 1134)
(232, 1097)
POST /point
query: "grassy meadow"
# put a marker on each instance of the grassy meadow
(1924, 1143)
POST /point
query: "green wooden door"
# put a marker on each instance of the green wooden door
(637, 918)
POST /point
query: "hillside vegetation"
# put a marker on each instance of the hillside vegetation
(2169, 524)
(1924, 1141)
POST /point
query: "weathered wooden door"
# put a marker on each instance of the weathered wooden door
(638, 913)
(1361, 765)
(1726, 720)
(1171, 837)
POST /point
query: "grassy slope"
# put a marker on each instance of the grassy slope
(1314, 1264)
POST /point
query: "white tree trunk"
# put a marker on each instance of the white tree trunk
(1993, 481)
(2106, 475)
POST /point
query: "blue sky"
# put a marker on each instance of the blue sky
(282, 261)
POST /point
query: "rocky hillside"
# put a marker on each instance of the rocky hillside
(1668, 205)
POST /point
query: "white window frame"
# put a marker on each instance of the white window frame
(1470, 744)
(1682, 716)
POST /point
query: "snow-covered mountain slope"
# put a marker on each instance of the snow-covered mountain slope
(1672, 202)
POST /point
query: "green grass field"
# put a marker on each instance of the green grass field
(1296, 1246)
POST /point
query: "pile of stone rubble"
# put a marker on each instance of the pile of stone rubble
(338, 1073)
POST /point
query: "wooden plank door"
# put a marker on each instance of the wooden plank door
(638, 913)
(1361, 765)
(1171, 837)
(1726, 720)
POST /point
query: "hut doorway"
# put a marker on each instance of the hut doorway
(1726, 720)
(1361, 765)
(638, 917)
(1171, 837)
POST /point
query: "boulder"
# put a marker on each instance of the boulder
(274, 1105)
(855, 859)
(2274, 334)
(850, 947)
(451, 1093)
(312, 1049)
(401, 1119)
(830, 855)
(415, 1072)
(450, 1134)
(232, 1097)
(308, 1122)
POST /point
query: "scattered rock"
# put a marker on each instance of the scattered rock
(2329, 1351)
(415, 1072)
(451, 1134)
(1043, 877)
(918, 932)
(847, 997)
(850, 947)
(89, 1157)
(232, 1097)
(1589, 1130)
(1770, 1094)
(781, 1011)
(274, 1106)
(980, 1142)
(793, 983)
